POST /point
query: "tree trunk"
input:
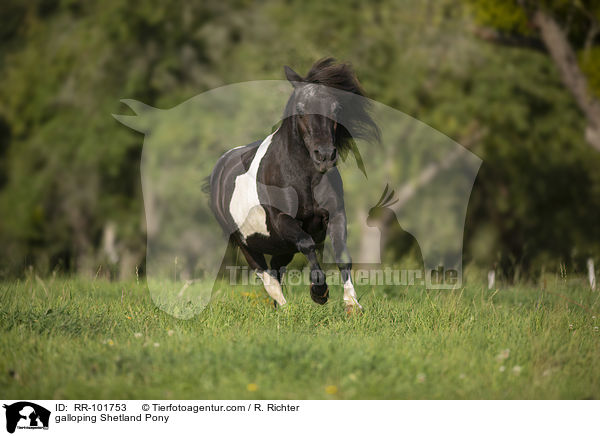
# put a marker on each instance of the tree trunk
(562, 53)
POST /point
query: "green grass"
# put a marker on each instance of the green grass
(68, 339)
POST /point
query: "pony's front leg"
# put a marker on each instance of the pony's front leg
(319, 292)
(292, 231)
(337, 232)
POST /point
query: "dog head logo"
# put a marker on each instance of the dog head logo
(26, 415)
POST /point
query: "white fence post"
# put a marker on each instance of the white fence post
(491, 279)
(591, 274)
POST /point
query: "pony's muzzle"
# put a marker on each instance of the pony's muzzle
(325, 158)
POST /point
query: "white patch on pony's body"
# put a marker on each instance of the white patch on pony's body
(244, 206)
(272, 286)
(350, 297)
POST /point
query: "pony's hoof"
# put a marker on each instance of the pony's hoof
(319, 293)
(354, 309)
(278, 306)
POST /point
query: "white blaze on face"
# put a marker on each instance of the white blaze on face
(249, 216)
(350, 297)
(272, 287)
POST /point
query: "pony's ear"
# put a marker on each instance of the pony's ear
(292, 76)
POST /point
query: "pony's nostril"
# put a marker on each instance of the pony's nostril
(325, 156)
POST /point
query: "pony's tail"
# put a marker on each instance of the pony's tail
(206, 185)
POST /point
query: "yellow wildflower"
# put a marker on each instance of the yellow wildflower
(331, 389)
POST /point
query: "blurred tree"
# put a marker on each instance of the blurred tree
(568, 30)
(69, 173)
(70, 168)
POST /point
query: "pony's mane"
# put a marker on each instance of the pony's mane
(337, 75)
(353, 111)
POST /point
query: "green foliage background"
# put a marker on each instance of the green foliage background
(67, 168)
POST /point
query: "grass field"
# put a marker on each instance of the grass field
(76, 339)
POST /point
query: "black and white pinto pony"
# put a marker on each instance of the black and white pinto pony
(284, 195)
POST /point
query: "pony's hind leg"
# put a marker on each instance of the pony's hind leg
(273, 287)
(278, 264)
(271, 283)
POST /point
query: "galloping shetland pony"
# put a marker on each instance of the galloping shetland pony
(283, 195)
